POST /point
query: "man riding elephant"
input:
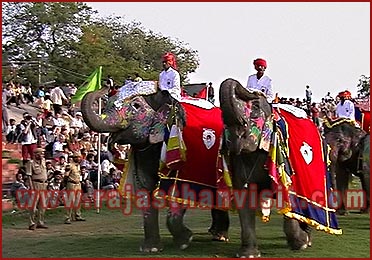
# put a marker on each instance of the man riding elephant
(169, 78)
(141, 115)
(271, 151)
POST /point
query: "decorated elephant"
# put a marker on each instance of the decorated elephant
(140, 115)
(259, 163)
(349, 155)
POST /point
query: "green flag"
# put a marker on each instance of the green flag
(92, 83)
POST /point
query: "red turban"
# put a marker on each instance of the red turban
(260, 62)
(170, 59)
(345, 94)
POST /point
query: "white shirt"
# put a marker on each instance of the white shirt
(106, 165)
(58, 147)
(110, 81)
(76, 122)
(56, 95)
(346, 110)
(264, 84)
(30, 138)
(170, 80)
(11, 128)
(59, 121)
(73, 90)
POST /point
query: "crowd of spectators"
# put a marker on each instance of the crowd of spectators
(315, 111)
(59, 128)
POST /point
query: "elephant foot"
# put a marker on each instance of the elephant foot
(364, 211)
(218, 236)
(248, 253)
(309, 240)
(300, 244)
(151, 248)
(298, 236)
(187, 244)
(342, 212)
(183, 240)
(307, 244)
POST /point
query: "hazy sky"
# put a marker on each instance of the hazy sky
(323, 45)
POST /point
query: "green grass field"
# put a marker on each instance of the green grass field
(112, 234)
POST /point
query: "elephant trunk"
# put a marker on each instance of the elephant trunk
(333, 175)
(236, 106)
(94, 121)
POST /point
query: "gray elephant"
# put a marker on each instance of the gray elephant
(349, 154)
(244, 113)
(140, 120)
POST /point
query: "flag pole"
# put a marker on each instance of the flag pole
(92, 83)
(99, 162)
(206, 96)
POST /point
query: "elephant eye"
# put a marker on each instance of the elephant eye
(255, 110)
(136, 105)
(255, 104)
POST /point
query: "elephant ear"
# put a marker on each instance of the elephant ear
(247, 95)
(233, 102)
(167, 106)
(180, 114)
(158, 100)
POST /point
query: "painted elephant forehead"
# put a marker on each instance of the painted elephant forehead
(131, 111)
(333, 134)
(247, 108)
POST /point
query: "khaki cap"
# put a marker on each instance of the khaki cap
(76, 154)
(39, 150)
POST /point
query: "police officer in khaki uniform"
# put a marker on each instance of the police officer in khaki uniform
(38, 181)
(73, 185)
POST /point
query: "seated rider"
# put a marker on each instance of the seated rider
(169, 78)
(259, 81)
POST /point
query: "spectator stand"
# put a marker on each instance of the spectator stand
(11, 159)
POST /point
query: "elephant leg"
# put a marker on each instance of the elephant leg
(364, 179)
(365, 172)
(342, 182)
(151, 243)
(182, 235)
(297, 234)
(246, 210)
(307, 228)
(220, 225)
(248, 247)
(143, 168)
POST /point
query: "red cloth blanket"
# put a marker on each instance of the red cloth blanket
(202, 136)
(298, 164)
(201, 168)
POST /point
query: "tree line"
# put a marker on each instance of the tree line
(65, 41)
